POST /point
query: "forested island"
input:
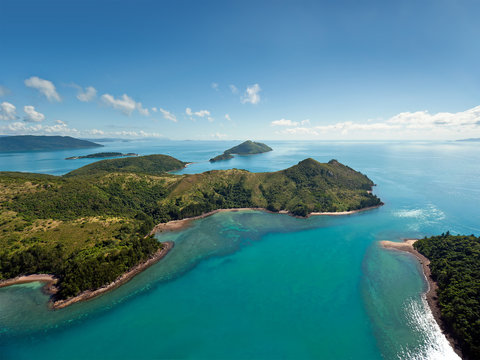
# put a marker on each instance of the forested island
(92, 225)
(246, 148)
(42, 143)
(101, 155)
(455, 267)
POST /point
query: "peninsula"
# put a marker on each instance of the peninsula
(246, 148)
(101, 155)
(42, 143)
(452, 267)
(93, 225)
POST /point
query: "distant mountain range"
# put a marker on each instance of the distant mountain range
(471, 139)
(246, 148)
(42, 143)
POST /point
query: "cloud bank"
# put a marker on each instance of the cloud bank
(404, 125)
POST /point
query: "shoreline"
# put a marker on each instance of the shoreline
(173, 225)
(177, 225)
(50, 280)
(431, 293)
(122, 279)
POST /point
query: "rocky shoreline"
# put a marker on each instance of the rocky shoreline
(50, 280)
(122, 279)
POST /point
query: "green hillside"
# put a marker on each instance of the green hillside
(88, 227)
(150, 164)
(42, 143)
(455, 266)
(246, 148)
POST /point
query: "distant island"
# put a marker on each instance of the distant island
(42, 143)
(101, 155)
(451, 264)
(92, 228)
(471, 139)
(246, 148)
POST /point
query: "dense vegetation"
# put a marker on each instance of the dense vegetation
(246, 148)
(150, 164)
(32, 142)
(455, 266)
(101, 155)
(88, 226)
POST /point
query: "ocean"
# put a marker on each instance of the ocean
(254, 285)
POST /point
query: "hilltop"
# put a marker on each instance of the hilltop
(246, 148)
(89, 226)
(42, 143)
(149, 164)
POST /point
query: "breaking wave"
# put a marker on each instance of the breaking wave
(435, 345)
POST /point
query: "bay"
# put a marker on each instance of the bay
(256, 285)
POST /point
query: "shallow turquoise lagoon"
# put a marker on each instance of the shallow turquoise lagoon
(265, 286)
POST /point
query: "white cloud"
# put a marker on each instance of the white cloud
(95, 132)
(168, 115)
(4, 91)
(45, 87)
(32, 115)
(345, 127)
(86, 95)
(305, 122)
(299, 131)
(218, 135)
(125, 104)
(251, 94)
(284, 122)
(59, 128)
(200, 114)
(233, 89)
(227, 117)
(142, 110)
(7, 111)
(154, 109)
(215, 86)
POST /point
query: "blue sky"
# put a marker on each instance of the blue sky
(241, 69)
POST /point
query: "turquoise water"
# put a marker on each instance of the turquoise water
(256, 285)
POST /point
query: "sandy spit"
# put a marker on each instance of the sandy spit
(48, 279)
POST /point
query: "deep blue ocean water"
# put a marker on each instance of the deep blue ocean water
(265, 286)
